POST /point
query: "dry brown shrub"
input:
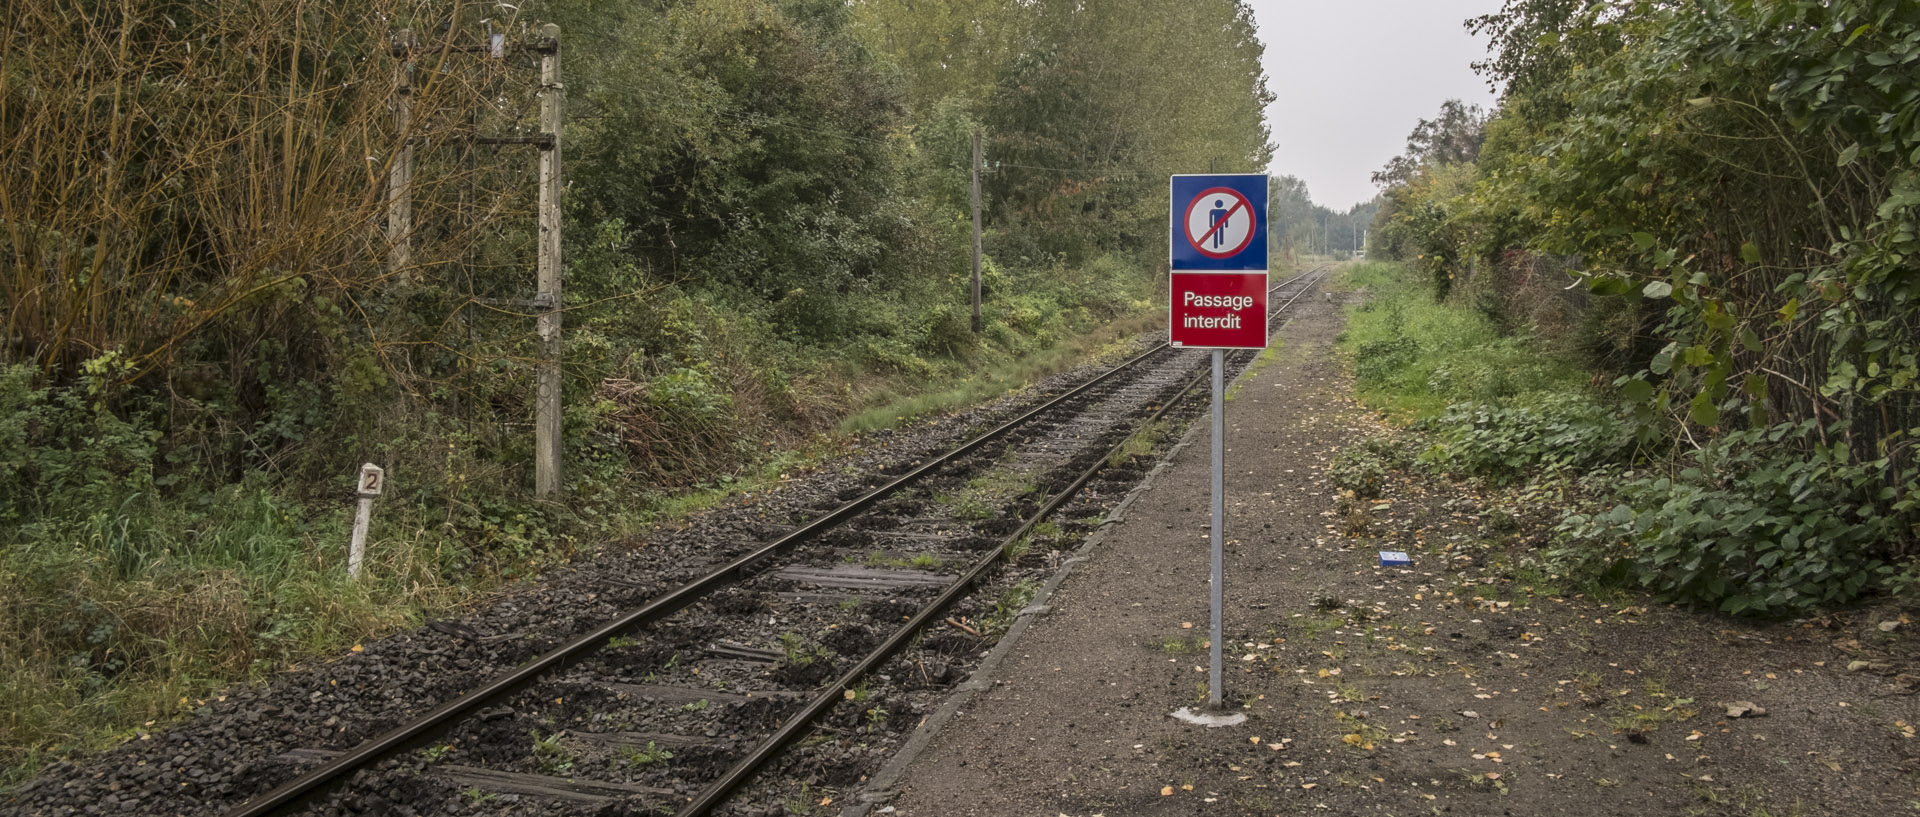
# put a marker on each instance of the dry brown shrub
(173, 166)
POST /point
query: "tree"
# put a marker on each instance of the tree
(1452, 137)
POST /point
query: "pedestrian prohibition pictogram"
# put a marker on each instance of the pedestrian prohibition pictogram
(1219, 223)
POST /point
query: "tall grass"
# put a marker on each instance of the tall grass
(135, 612)
(1047, 321)
(1413, 356)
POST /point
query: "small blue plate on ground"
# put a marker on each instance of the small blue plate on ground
(1394, 558)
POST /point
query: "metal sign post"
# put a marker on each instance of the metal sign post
(1219, 526)
(1217, 254)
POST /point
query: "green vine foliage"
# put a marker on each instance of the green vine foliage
(1748, 531)
(1749, 170)
(1509, 443)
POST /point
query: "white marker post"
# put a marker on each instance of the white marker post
(372, 477)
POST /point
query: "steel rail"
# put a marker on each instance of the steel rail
(316, 782)
(1318, 273)
(743, 770)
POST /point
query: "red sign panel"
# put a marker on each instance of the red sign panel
(1218, 310)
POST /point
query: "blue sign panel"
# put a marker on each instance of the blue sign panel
(1219, 222)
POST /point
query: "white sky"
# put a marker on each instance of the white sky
(1352, 78)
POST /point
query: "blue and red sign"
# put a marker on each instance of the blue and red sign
(1218, 254)
(1219, 223)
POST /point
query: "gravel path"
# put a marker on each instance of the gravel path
(1461, 685)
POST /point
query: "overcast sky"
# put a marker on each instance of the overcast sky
(1352, 77)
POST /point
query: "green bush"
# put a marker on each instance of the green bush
(1750, 528)
(1511, 443)
(1416, 355)
(67, 447)
(1358, 470)
(1377, 360)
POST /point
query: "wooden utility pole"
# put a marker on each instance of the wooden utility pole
(400, 174)
(547, 442)
(547, 302)
(976, 232)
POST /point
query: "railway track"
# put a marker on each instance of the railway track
(850, 624)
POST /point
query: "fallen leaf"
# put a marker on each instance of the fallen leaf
(1308, 785)
(1166, 791)
(1186, 787)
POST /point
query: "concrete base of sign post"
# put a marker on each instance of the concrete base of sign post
(1208, 719)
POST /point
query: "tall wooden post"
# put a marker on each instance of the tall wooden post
(400, 175)
(546, 437)
(976, 232)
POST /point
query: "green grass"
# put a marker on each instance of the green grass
(1266, 358)
(1180, 646)
(972, 383)
(983, 495)
(1141, 444)
(1008, 606)
(111, 623)
(636, 757)
(1414, 356)
(880, 558)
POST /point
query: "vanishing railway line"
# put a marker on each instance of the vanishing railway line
(677, 704)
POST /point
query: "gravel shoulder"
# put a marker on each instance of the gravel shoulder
(1464, 684)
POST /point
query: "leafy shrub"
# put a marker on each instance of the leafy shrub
(947, 329)
(67, 447)
(1377, 360)
(1751, 529)
(1358, 470)
(1505, 443)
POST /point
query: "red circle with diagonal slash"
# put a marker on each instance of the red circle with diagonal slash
(1240, 202)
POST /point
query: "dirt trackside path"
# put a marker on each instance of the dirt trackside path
(1464, 685)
